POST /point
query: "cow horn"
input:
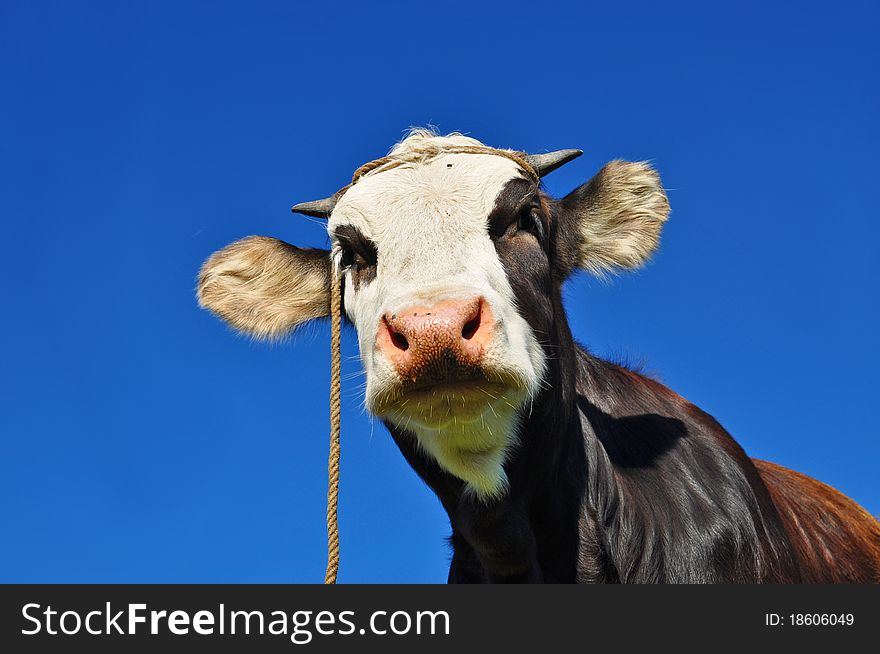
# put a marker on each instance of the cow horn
(317, 208)
(547, 163)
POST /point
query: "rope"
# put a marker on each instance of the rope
(425, 152)
(335, 405)
(372, 167)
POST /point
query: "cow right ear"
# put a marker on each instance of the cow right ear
(265, 287)
(613, 221)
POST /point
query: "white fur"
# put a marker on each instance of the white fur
(427, 213)
(428, 220)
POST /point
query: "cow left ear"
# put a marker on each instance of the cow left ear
(615, 218)
(265, 287)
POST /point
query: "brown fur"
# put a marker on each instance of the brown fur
(668, 495)
(835, 540)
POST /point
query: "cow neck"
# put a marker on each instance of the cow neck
(550, 427)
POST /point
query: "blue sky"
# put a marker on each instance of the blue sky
(143, 442)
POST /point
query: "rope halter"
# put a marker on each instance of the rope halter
(534, 166)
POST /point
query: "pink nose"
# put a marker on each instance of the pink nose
(436, 341)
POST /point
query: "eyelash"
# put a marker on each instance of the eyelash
(346, 257)
(529, 221)
(350, 259)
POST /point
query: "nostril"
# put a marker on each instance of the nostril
(398, 339)
(471, 326)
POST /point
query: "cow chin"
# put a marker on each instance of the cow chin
(445, 404)
(467, 425)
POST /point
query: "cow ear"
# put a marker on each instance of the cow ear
(616, 217)
(266, 287)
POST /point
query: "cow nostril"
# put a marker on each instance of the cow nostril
(470, 327)
(398, 339)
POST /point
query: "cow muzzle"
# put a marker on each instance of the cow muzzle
(439, 353)
(442, 342)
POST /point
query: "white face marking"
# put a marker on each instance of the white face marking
(427, 219)
(429, 222)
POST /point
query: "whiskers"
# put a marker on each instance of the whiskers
(353, 375)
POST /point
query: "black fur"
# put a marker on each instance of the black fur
(615, 478)
(359, 254)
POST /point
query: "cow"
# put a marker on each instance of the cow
(553, 464)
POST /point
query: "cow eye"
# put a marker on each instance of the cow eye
(529, 220)
(346, 257)
(357, 254)
(350, 258)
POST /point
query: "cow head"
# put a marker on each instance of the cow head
(450, 256)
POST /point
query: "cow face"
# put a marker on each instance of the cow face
(449, 264)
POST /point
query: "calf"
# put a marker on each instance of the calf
(552, 464)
